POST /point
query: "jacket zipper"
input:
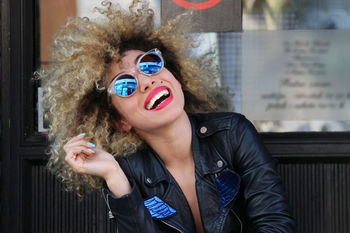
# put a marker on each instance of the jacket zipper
(110, 214)
(171, 226)
(240, 221)
(184, 197)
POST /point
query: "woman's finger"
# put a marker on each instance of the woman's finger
(81, 152)
(77, 137)
(80, 143)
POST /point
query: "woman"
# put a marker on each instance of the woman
(130, 93)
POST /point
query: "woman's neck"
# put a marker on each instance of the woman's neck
(173, 142)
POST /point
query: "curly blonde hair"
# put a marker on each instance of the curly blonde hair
(81, 54)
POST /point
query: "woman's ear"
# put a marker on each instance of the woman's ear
(122, 125)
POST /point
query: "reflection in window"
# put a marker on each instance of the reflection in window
(277, 16)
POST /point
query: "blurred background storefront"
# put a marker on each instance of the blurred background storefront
(287, 65)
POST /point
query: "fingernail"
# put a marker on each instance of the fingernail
(82, 134)
(91, 144)
(91, 150)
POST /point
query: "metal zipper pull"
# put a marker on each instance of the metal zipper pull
(110, 214)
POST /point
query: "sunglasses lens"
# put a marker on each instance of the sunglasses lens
(151, 63)
(125, 85)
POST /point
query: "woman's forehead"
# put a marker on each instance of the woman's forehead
(129, 58)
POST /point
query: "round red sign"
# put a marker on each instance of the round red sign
(196, 6)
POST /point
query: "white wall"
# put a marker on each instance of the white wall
(85, 8)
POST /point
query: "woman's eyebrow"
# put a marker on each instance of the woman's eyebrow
(137, 58)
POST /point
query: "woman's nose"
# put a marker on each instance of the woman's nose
(146, 82)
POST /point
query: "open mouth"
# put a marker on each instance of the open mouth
(158, 98)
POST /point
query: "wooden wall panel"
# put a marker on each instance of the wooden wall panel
(318, 193)
(55, 210)
(53, 15)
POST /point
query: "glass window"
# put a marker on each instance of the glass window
(289, 68)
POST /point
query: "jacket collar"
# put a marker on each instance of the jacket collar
(155, 170)
(206, 157)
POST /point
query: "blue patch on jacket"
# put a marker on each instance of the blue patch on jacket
(228, 185)
(158, 208)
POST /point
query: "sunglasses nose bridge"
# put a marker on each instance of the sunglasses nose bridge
(134, 71)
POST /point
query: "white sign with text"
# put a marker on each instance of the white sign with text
(296, 75)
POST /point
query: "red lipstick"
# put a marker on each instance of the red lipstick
(158, 98)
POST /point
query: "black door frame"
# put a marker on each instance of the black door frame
(21, 145)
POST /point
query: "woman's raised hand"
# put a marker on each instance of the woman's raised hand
(85, 158)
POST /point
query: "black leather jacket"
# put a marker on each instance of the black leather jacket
(238, 189)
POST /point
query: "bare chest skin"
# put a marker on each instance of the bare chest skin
(187, 182)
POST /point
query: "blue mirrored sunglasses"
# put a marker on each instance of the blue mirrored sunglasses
(125, 84)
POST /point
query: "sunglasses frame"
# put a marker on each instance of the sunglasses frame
(111, 89)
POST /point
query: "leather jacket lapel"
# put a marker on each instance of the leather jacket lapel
(166, 190)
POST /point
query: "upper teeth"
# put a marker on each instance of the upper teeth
(156, 97)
